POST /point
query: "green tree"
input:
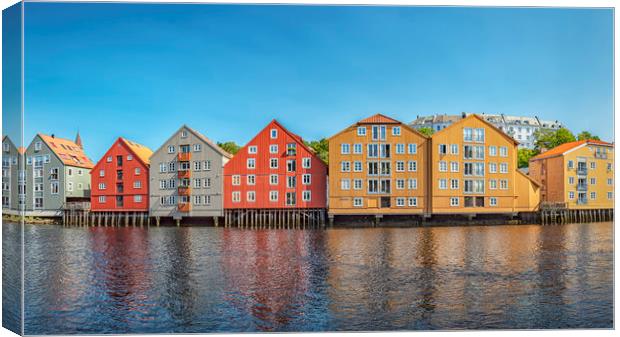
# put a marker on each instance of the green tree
(549, 139)
(321, 147)
(426, 131)
(524, 156)
(585, 135)
(230, 147)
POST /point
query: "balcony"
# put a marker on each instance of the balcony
(600, 155)
(582, 187)
(185, 190)
(184, 156)
(184, 174)
(582, 171)
(184, 207)
(582, 201)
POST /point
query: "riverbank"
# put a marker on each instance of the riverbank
(31, 219)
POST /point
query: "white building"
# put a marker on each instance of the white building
(520, 128)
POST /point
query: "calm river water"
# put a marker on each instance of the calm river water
(200, 279)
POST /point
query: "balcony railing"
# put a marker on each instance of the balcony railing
(582, 201)
(184, 174)
(184, 207)
(184, 156)
(582, 171)
(185, 190)
(582, 187)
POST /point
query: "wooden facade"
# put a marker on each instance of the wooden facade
(578, 174)
(120, 180)
(378, 166)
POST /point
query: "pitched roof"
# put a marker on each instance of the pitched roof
(561, 149)
(67, 151)
(297, 138)
(210, 142)
(378, 119)
(478, 117)
(142, 152)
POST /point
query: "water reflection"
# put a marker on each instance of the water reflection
(190, 279)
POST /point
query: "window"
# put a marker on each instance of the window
(273, 179)
(610, 181)
(102, 199)
(361, 131)
(197, 165)
(54, 187)
(251, 196)
(273, 133)
(70, 186)
(345, 166)
(109, 159)
(443, 184)
(454, 202)
(80, 172)
(273, 163)
(184, 134)
(357, 184)
(345, 149)
(251, 179)
(137, 198)
(291, 149)
(197, 200)
(291, 198)
(129, 157)
(571, 195)
(608, 166)
(197, 183)
(37, 146)
(373, 186)
(252, 149)
(503, 168)
(236, 180)
(170, 148)
(306, 196)
(454, 149)
(137, 171)
(492, 167)
(206, 165)
(400, 184)
(273, 195)
(592, 181)
(492, 151)
(454, 184)
(357, 166)
(251, 163)
(305, 179)
(273, 148)
(162, 184)
(102, 173)
(571, 164)
(503, 151)
(400, 202)
(291, 182)
(593, 165)
(236, 196)
(291, 165)
(396, 131)
(163, 167)
(172, 166)
(197, 147)
(592, 195)
(102, 186)
(412, 183)
(493, 201)
(413, 202)
(454, 166)
(207, 183)
(610, 195)
(137, 184)
(468, 134)
(479, 135)
(412, 148)
(400, 166)
(571, 180)
(373, 150)
(5, 146)
(378, 132)
(357, 148)
(412, 166)
(358, 202)
(345, 184)
(503, 184)
(443, 148)
(69, 173)
(443, 166)
(305, 162)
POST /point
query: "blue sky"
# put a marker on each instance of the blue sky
(142, 70)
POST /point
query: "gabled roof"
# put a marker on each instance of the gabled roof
(561, 149)
(142, 152)
(209, 142)
(67, 151)
(528, 177)
(378, 119)
(472, 116)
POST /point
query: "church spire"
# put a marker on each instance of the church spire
(78, 140)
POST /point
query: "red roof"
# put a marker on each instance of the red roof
(378, 119)
(561, 149)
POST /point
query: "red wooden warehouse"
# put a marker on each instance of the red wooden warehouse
(120, 180)
(275, 177)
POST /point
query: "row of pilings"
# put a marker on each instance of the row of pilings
(275, 218)
(557, 216)
(85, 218)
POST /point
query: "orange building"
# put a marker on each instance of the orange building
(474, 170)
(378, 166)
(579, 174)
